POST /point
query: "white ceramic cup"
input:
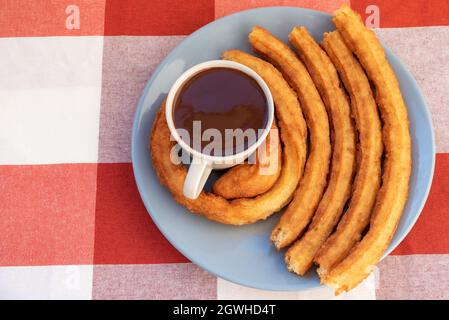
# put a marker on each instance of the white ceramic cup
(202, 164)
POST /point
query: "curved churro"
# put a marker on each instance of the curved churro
(393, 193)
(250, 180)
(299, 257)
(367, 179)
(293, 134)
(305, 201)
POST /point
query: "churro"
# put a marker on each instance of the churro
(299, 257)
(249, 180)
(367, 179)
(345, 192)
(293, 134)
(306, 198)
(393, 193)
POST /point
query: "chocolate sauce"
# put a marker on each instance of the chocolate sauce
(220, 98)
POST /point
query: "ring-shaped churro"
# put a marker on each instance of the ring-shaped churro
(249, 180)
(293, 135)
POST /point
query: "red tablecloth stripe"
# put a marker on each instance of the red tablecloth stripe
(400, 13)
(51, 214)
(156, 17)
(38, 18)
(124, 232)
(430, 233)
(47, 214)
(227, 7)
(171, 17)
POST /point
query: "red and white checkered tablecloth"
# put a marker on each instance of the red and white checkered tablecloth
(72, 224)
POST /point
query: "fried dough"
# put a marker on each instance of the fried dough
(299, 257)
(305, 201)
(293, 134)
(250, 180)
(393, 193)
(368, 173)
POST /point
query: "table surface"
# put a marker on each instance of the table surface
(71, 220)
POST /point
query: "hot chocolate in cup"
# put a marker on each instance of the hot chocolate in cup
(219, 112)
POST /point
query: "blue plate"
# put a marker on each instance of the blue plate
(244, 255)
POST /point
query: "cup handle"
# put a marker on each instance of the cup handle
(197, 175)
